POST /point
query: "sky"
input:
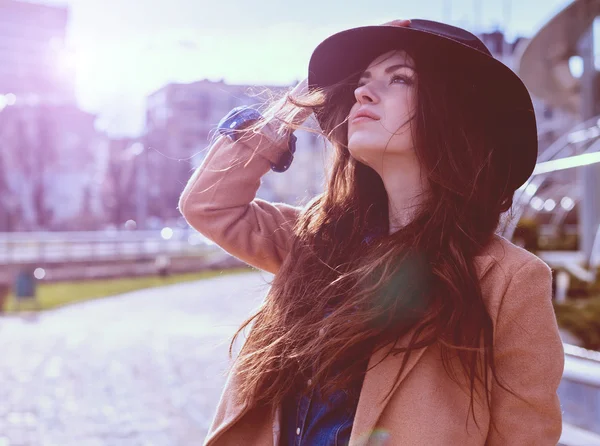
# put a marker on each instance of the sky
(124, 50)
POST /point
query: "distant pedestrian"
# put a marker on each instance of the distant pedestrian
(25, 288)
(396, 314)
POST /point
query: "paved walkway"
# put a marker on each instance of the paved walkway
(143, 368)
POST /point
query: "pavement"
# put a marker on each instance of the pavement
(143, 368)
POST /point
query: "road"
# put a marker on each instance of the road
(144, 368)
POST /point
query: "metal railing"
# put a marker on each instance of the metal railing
(567, 152)
(579, 390)
(90, 246)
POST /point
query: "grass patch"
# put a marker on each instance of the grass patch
(54, 295)
(581, 317)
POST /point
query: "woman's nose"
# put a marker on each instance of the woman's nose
(364, 94)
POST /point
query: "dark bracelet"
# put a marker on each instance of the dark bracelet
(286, 159)
(243, 116)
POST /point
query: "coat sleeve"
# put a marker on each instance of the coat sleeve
(219, 200)
(529, 358)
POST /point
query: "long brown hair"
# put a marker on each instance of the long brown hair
(422, 275)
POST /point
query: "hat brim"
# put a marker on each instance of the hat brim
(505, 100)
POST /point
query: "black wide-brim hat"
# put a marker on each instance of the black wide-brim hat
(505, 101)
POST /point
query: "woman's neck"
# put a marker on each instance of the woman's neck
(405, 187)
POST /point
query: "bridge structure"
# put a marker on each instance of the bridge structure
(97, 246)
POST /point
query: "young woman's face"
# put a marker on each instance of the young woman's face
(387, 91)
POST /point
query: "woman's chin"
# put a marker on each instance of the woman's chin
(361, 154)
(365, 145)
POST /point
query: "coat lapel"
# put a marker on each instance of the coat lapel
(381, 378)
(230, 409)
(377, 384)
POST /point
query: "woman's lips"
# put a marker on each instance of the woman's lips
(360, 119)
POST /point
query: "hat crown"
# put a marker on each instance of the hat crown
(450, 32)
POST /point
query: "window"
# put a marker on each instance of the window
(204, 106)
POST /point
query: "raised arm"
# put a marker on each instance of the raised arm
(220, 201)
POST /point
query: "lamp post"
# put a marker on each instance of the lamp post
(142, 189)
(589, 176)
(139, 155)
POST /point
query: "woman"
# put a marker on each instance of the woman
(396, 315)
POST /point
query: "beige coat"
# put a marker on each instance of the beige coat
(426, 408)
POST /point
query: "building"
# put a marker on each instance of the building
(50, 159)
(181, 119)
(32, 52)
(51, 156)
(122, 196)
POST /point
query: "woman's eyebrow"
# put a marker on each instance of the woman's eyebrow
(389, 69)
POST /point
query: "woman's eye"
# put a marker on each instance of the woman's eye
(401, 78)
(394, 79)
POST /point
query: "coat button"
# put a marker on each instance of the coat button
(309, 382)
(298, 431)
(321, 332)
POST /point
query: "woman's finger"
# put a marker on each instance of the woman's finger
(398, 22)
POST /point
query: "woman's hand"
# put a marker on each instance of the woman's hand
(398, 22)
(300, 115)
(301, 88)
